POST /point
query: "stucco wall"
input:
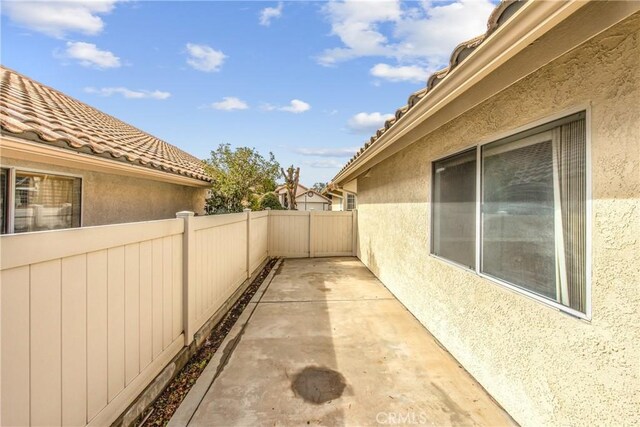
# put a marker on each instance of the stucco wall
(112, 199)
(543, 366)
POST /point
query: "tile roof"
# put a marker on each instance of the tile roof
(502, 12)
(31, 110)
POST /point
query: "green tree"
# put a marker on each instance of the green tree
(238, 176)
(270, 200)
(318, 186)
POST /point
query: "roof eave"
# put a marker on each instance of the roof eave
(529, 23)
(23, 149)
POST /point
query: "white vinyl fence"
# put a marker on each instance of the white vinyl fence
(300, 234)
(90, 316)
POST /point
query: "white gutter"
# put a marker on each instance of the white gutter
(529, 23)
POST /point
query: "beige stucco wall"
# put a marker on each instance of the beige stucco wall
(111, 199)
(543, 366)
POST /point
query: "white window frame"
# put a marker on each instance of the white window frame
(431, 219)
(11, 193)
(584, 108)
(346, 201)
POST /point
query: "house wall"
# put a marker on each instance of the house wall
(112, 199)
(545, 367)
(315, 206)
(336, 204)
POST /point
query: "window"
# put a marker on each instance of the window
(531, 209)
(351, 202)
(4, 200)
(454, 208)
(40, 202)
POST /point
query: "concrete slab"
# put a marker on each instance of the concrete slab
(349, 356)
(325, 279)
(192, 400)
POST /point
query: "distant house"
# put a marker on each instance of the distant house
(306, 199)
(501, 205)
(65, 164)
(343, 198)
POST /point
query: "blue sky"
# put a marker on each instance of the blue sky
(309, 81)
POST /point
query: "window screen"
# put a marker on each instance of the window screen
(46, 202)
(351, 202)
(454, 208)
(534, 211)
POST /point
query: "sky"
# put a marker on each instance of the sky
(308, 81)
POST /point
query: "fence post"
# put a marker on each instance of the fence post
(248, 212)
(312, 252)
(188, 275)
(268, 229)
(354, 239)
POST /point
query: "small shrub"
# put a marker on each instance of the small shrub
(270, 200)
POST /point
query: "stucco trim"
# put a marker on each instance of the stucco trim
(25, 150)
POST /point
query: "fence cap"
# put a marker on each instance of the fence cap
(247, 210)
(183, 214)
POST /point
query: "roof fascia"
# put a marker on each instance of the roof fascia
(21, 149)
(529, 23)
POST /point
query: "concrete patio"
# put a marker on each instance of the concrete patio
(325, 343)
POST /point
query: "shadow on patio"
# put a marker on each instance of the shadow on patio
(327, 343)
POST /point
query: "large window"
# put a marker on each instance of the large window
(531, 210)
(40, 202)
(454, 208)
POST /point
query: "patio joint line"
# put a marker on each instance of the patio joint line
(329, 300)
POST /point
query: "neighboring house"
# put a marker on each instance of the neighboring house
(65, 164)
(342, 198)
(502, 207)
(306, 199)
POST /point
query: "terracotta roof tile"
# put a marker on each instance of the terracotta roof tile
(502, 12)
(28, 109)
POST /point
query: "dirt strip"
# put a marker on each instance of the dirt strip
(160, 411)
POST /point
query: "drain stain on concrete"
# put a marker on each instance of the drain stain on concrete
(317, 384)
(457, 415)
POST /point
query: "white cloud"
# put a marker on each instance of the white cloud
(128, 93)
(270, 13)
(367, 122)
(88, 55)
(356, 24)
(437, 30)
(296, 106)
(324, 163)
(326, 152)
(57, 18)
(410, 73)
(230, 103)
(419, 34)
(205, 58)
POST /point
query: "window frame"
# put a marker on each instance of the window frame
(432, 219)
(11, 196)
(346, 201)
(516, 134)
(6, 201)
